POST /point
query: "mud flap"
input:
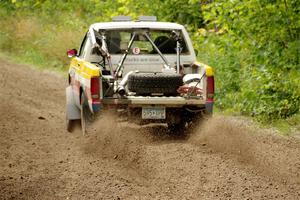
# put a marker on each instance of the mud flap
(209, 107)
(72, 111)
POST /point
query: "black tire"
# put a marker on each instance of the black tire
(72, 124)
(147, 83)
(87, 117)
(83, 120)
(177, 129)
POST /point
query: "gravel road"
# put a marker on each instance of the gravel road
(225, 158)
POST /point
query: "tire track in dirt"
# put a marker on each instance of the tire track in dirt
(225, 158)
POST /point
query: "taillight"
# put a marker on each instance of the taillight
(95, 88)
(210, 88)
(191, 90)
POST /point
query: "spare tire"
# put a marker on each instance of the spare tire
(147, 83)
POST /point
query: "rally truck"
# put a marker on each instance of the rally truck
(144, 70)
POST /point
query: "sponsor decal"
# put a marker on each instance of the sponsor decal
(142, 60)
(136, 50)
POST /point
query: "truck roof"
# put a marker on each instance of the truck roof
(136, 24)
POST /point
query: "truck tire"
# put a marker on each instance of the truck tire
(71, 124)
(147, 83)
(87, 116)
(177, 129)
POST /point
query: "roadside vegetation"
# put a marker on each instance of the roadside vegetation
(253, 45)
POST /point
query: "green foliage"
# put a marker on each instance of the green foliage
(253, 45)
(257, 42)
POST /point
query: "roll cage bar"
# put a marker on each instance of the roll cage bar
(175, 34)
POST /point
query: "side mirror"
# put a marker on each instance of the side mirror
(72, 53)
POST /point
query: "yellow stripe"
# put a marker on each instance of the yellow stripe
(208, 70)
(90, 69)
(84, 68)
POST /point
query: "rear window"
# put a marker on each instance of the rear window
(118, 40)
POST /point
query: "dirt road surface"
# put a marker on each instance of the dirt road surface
(225, 158)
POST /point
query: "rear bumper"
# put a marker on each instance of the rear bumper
(139, 101)
(175, 107)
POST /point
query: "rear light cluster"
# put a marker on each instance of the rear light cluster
(95, 88)
(193, 90)
(210, 88)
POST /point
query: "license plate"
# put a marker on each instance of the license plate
(154, 113)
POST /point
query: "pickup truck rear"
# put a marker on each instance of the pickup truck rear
(146, 70)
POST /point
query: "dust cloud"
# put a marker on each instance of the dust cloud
(226, 136)
(235, 139)
(251, 147)
(108, 138)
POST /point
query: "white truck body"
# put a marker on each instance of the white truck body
(127, 54)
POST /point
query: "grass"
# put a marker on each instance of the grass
(285, 126)
(31, 40)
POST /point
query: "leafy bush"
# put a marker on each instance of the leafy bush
(257, 43)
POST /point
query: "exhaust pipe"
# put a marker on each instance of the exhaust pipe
(121, 88)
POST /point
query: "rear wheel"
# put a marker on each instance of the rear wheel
(70, 125)
(86, 115)
(177, 129)
(189, 120)
(83, 121)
